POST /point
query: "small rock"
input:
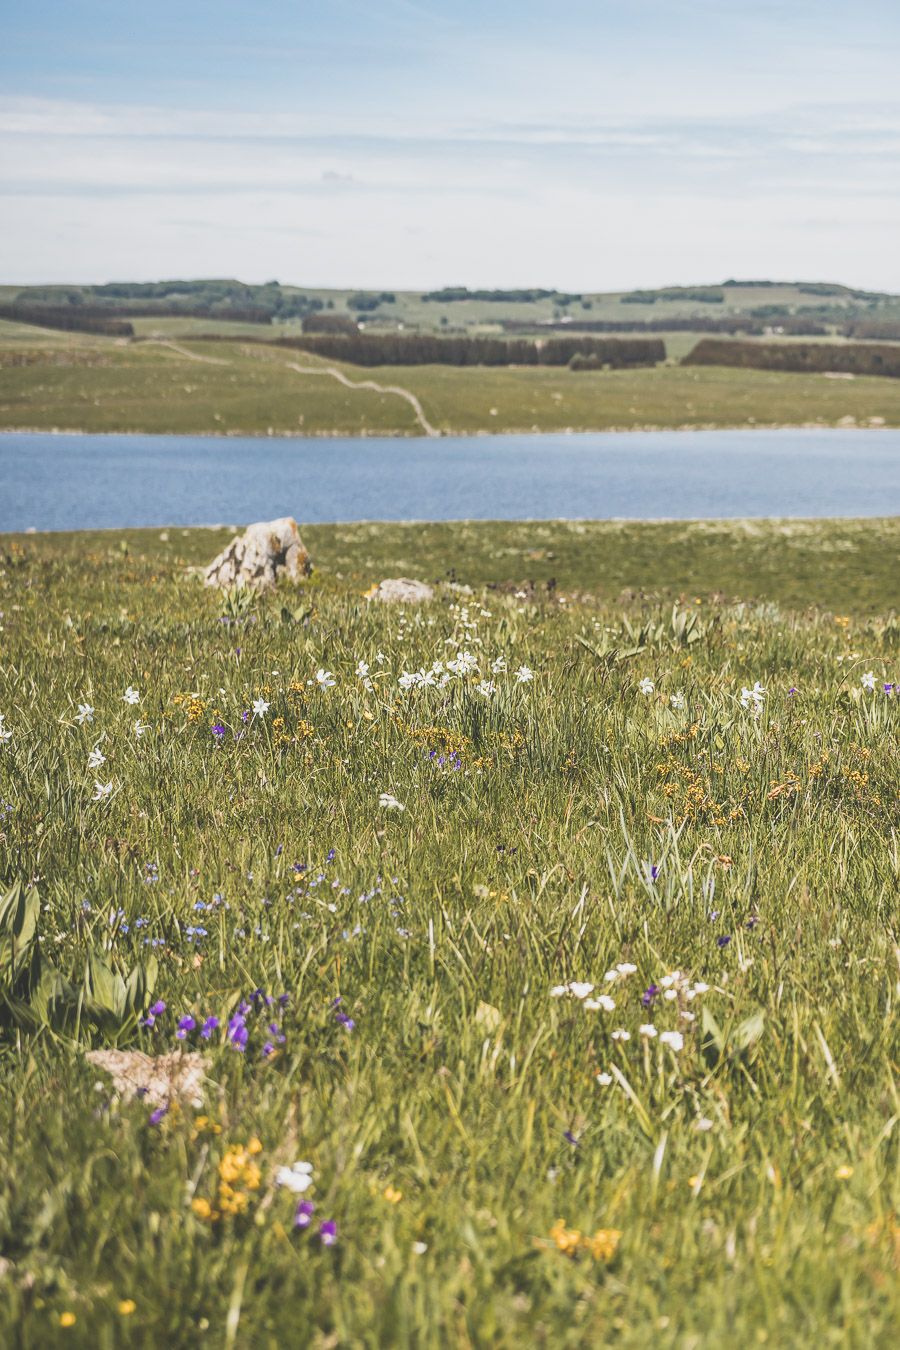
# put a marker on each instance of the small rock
(155, 1079)
(402, 591)
(258, 557)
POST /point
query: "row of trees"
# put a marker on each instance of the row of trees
(72, 320)
(850, 358)
(797, 325)
(425, 350)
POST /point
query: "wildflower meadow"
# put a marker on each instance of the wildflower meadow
(517, 968)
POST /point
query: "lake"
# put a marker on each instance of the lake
(74, 482)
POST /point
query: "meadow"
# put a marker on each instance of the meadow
(537, 946)
(76, 383)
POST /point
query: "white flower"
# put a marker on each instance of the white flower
(390, 803)
(700, 988)
(260, 707)
(676, 701)
(5, 735)
(610, 976)
(486, 688)
(868, 680)
(407, 680)
(604, 1079)
(523, 675)
(379, 657)
(362, 669)
(420, 1248)
(703, 1124)
(498, 665)
(620, 1034)
(601, 1002)
(646, 686)
(131, 695)
(647, 1029)
(580, 988)
(464, 664)
(297, 1178)
(753, 698)
(325, 679)
(96, 758)
(101, 791)
(85, 713)
(673, 1039)
(559, 990)
(670, 994)
(140, 727)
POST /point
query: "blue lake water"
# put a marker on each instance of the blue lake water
(70, 482)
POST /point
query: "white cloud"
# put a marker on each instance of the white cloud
(96, 192)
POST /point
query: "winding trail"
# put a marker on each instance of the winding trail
(333, 371)
(183, 351)
(370, 384)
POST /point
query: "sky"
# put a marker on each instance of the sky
(410, 144)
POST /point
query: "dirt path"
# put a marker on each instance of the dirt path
(183, 351)
(314, 370)
(370, 384)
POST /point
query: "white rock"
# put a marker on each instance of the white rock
(261, 555)
(402, 591)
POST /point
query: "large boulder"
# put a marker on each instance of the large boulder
(401, 591)
(261, 555)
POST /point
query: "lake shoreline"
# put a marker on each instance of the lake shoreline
(486, 432)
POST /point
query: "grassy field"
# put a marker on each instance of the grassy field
(685, 797)
(104, 385)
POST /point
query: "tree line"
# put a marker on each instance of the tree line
(424, 350)
(850, 358)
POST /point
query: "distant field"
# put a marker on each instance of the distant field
(71, 382)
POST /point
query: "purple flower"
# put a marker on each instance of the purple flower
(238, 1034)
(303, 1215)
(331, 855)
(218, 731)
(245, 715)
(570, 1138)
(328, 1233)
(649, 995)
(157, 1115)
(158, 1008)
(724, 940)
(345, 1021)
(792, 691)
(185, 1024)
(209, 1026)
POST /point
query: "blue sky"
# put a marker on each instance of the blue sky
(407, 143)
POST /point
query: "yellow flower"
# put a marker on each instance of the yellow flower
(843, 1173)
(567, 1240)
(602, 1246)
(254, 1146)
(201, 1207)
(67, 1319)
(127, 1306)
(392, 1195)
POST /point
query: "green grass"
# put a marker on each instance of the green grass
(100, 385)
(752, 1175)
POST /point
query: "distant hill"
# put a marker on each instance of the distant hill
(735, 306)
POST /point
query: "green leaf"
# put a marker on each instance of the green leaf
(748, 1032)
